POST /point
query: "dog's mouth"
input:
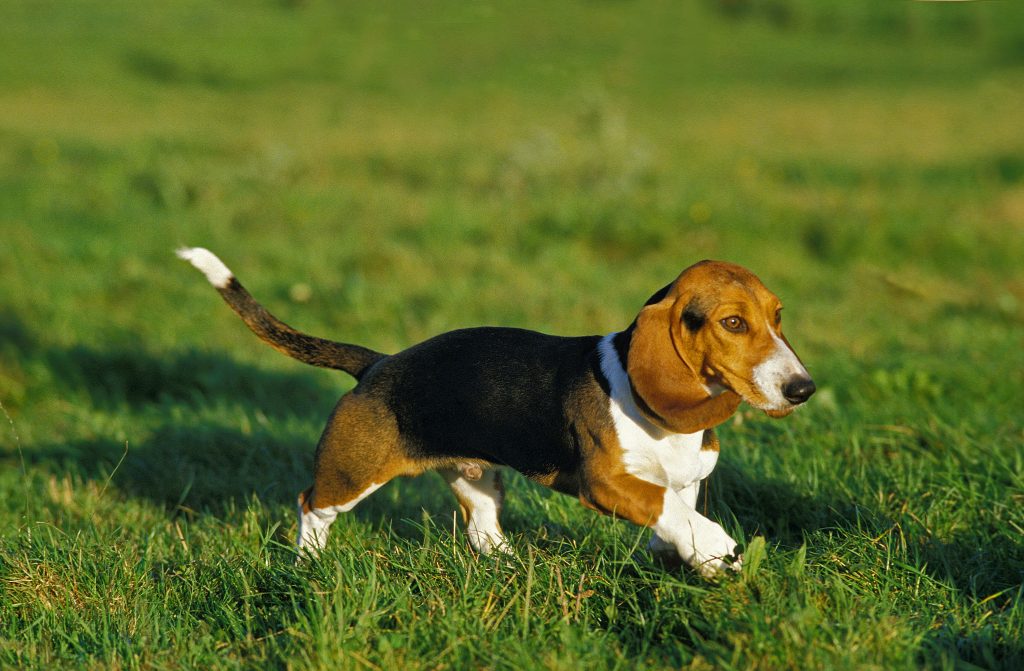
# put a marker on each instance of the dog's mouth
(794, 392)
(775, 410)
(789, 396)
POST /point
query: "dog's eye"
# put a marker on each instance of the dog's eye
(778, 316)
(734, 324)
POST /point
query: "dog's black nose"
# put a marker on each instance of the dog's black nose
(798, 390)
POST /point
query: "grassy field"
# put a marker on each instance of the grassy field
(382, 172)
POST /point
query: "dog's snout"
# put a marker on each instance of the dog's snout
(798, 390)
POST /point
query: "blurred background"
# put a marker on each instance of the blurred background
(381, 172)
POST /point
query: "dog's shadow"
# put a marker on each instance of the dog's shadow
(185, 446)
(214, 467)
(203, 460)
(134, 377)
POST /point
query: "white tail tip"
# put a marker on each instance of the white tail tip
(207, 262)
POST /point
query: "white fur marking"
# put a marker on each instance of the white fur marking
(701, 543)
(779, 367)
(673, 460)
(484, 499)
(207, 262)
(715, 389)
(689, 496)
(314, 525)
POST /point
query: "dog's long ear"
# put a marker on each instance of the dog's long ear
(659, 376)
(672, 389)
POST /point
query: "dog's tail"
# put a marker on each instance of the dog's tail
(352, 359)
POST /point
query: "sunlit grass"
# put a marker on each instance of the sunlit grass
(383, 174)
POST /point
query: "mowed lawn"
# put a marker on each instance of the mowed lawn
(382, 172)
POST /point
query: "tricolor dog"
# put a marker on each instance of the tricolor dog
(624, 421)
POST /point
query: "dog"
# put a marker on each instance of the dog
(624, 422)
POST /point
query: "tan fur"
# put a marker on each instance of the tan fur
(684, 379)
(709, 441)
(609, 489)
(674, 370)
(663, 378)
(470, 470)
(360, 446)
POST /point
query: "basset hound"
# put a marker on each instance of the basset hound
(624, 422)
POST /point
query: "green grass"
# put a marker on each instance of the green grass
(415, 169)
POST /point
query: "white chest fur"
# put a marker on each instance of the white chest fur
(673, 460)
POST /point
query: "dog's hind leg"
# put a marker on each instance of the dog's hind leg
(480, 494)
(357, 454)
(315, 521)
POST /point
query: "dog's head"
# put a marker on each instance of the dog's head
(716, 330)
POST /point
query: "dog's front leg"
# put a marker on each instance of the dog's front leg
(701, 543)
(661, 548)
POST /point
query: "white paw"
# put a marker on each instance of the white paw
(715, 553)
(717, 566)
(487, 542)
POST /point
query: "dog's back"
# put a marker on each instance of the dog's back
(495, 394)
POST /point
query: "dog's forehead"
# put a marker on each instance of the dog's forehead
(720, 280)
